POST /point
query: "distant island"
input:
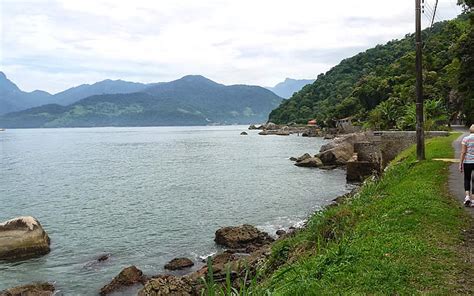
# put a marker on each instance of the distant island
(191, 100)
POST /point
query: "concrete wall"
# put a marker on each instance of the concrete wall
(393, 142)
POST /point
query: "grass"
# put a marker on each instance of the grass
(398, 235)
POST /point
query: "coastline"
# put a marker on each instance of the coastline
(119, 259)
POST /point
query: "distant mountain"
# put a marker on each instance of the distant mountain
(191, 100)
(108, 86)
(12, 98)
(288, 87)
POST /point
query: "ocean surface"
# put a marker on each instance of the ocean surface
(146, 195)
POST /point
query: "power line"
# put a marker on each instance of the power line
(434, 13)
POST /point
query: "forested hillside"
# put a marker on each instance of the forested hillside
(191, 100)
(377, 87)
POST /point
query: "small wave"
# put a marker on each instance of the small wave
(203, 258)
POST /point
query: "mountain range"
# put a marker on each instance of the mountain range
(288, 87)
(191, 100)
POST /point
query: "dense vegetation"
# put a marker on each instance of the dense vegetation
(191, 100)
(377, 87)
(398, 236)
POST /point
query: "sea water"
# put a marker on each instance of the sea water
(145, 195)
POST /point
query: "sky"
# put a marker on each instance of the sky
(53, 45)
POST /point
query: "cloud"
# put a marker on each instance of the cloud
(54, 45)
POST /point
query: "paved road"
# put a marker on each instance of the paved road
(456, 178)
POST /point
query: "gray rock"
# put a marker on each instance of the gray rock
(271, 126)
(21, 238)
(167, 285)
(303, 157)
(35, 289)
(241, 236)
(127, 277)
(312, 162)
(280, 232)
(338, 155)
(179, 263)
(243, 134)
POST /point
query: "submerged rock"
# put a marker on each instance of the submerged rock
(179, 263)
(127, 277)
(312, 162)
(35, 289)
(167, 285)
(241, 236)
(103, 258)
(23, 237)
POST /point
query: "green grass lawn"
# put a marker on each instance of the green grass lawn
(398, 235)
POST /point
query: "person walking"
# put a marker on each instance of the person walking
(466, 165)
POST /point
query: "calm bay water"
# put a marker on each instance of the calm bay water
(147, 195)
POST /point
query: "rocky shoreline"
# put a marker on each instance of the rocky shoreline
(246, 248)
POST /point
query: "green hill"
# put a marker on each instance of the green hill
(385, 74)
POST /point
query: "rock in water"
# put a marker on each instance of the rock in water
(303, 157)
(271, 126)
(35, 289)
(22, 237)
(127, 277)
(179, 263)
(312, 162)
(338, 155)
(280, 232)
(241, 236)
(166, 285)
(243, 134)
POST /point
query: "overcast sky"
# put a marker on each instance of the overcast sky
(54, 45)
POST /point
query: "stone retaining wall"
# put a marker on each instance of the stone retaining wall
(393, 142)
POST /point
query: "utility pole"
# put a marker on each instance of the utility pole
(420, 137)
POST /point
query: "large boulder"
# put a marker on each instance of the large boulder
(179, 263)
(22, 237)
(271, 126)
(127, 277)
(242, 236)
(167, 285)
(312, 162)
(35, 289)
(338, 155)
(349, 138)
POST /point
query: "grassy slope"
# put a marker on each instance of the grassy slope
(399, 235)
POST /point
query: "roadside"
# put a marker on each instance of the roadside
(403, 234)
(455, 177)
(457, 190)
